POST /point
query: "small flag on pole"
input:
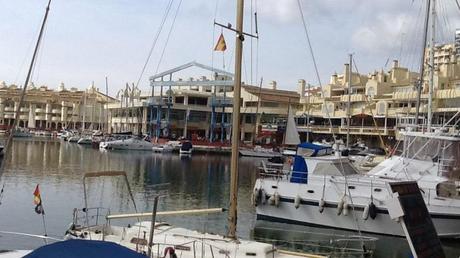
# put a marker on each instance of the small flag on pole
(221, 45)
(38, 201)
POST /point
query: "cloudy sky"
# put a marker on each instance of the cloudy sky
(86, 40)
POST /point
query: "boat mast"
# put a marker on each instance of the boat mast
(24, 88)
(232, 214)
(431, 84)
(349, 100)
(422, 61)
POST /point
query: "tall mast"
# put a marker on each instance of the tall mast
(422, 61)
(308, 112)
(431, 84)
(350, 74)
(232, 214)
(24, 89)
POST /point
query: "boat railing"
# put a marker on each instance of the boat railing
(325, 244)
(89, 217)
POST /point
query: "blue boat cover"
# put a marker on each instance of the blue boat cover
(84, 248)
(299, 171)
(317, 149)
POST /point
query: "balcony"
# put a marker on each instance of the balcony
(39, 110)
(23, 117)
(56, 111)
(9, 109)
(40, 117)
(55, 119)
(24, 109)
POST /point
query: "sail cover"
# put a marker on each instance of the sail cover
(291, 134)
(83, 248)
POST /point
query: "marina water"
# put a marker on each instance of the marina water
(200, 181)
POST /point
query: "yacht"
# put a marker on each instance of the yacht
(20, 133)
(74, 139)
(163, 148)
(326, 190)
(186, 148)
(85, 140)
(133, 143)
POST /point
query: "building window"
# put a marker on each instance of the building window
(179, 100)
(198, 101)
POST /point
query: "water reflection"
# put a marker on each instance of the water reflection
(200, 181)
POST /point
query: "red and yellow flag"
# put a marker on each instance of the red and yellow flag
(221, 45)
(38, 201)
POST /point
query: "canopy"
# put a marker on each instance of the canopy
(313, 149)
(76, 248)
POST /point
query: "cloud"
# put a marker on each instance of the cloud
(284, 11)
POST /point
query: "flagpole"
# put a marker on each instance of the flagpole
(44, 223)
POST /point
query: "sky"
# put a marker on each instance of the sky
(87, 40)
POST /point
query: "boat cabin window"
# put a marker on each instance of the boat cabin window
(334, 169)
(448, 189)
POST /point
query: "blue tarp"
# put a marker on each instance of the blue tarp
(299, 171)
(84, 248)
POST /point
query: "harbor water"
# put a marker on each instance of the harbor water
(200, 181)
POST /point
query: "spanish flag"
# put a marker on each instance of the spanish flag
(221, 45)
(38, 201)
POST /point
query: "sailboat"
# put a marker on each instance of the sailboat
(291, 136)
(158, 239)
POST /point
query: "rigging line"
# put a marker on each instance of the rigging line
(169, 34)
(36, 70)
(213, 38)
(370, 109)
(316, 68)
(256, 17)
(155, 39)
(458, 4)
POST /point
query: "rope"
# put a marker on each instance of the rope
(155, 39)
(169, 34)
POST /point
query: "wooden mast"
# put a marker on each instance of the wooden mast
(232, 214)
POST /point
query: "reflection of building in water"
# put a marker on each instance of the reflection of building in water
(49, 109)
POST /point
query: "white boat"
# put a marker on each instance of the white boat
(85, 140)
(162, 148)
(128, 144)
(96, 224)
(21, 133)
(326, 190)
(74, 139)
(186, 148)
(258, 152)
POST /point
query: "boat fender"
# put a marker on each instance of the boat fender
(271, 200)
(366, 212)
(277, 199)
(263, 196)
(340, 207)
(372, 210)
(321, 205)
(255, 197)
(297, 202)
(345, 209)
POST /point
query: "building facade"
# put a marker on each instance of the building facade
(48, 109)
